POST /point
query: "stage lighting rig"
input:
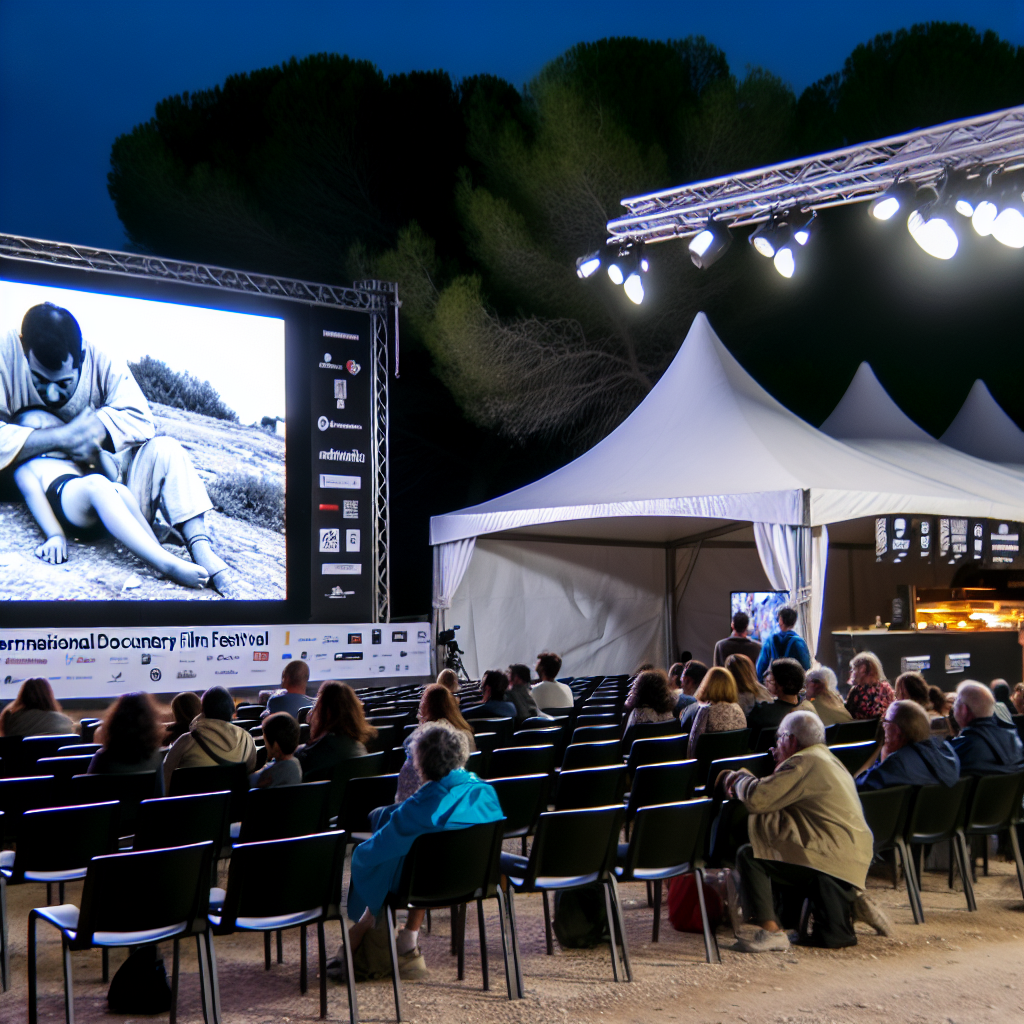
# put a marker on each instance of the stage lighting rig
(931, 222)
(898, 196)
(771, 236)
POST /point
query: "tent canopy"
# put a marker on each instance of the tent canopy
(981, 428)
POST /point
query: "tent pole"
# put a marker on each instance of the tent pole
(670, 604)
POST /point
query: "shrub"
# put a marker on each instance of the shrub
(252, 499)
(161, 384)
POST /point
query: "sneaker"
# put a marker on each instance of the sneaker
(866, 911)
(412, 966)
(763, 942)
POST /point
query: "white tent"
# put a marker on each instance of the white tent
(585, 560)
(982, 429)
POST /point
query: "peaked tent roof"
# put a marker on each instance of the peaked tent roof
(708, 443)
(981, 428)
(867, 419)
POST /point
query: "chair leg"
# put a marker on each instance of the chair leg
(901, 856)
(353, 1002)
(610, 916)
(1014, 845)
(710, 941)
(455, 931)
(49, 893)
(482, 929)
(656, 924)
(428, 922)
(205, 992)
(504, 941)
(621, 925)
(174, 981)
(460, 945)
(396, 982)
(32, 1000)
(60, 893)
(105, 960)
(5, 958)
(321, 946)
(965, 870)
(650, 895)
(211, 956)
(69, 989)
(547, 925)
(266, 951)
(302, 959)
(517, 959)
(280, 946)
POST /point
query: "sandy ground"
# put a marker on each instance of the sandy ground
(958, 967)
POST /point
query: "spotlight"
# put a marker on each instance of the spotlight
(709, 246)
(897, 196)
(1008, 227)
(634, 287)
(785, 262)
(930, 224)
(589, 264)
(802, 234)
(618, 267)
(770, 236)
(984, 217)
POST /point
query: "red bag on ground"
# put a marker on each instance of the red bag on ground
(684, 907)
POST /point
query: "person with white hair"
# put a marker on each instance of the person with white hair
(807, 832)
(985, 745)
(821, 688)
(910, 755)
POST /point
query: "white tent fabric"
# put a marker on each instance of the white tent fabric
(867, 419)
(981, 428)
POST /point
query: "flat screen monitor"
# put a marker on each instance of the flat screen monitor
(762, 606)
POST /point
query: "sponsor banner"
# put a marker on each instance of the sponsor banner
(110, 660)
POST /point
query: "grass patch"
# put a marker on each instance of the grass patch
(252, 499)
(161, 384)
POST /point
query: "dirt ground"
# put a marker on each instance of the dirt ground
(958, 967)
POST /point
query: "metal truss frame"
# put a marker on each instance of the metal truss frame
(378, 298)
(851, 175)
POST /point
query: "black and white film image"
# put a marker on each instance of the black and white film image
(142, 449)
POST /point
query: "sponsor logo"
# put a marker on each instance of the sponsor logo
(117, 659)
(327, 364)
(338, 593)
(422, 636)
(327, 424)
(350, 509)
(341, 569)
(209, 657)
(25, 661)
(331, 481)
(348, 655)
(330, 508)
(257, 671)
(8, 680)
(320, 655)
(154, 674)
(71, 659)
(186, 674)
(304, 655)
(225, 672)
(330, 541)
(340, 334)
(400, 636)
(331, 640)
(261, 655)
(352, 541)
(380, 668)
(229, 657)
(146, 659)
(285, 657)
(333, 455)
(340, 390)
(403, 654)
(355, 638)
(116, 678)
(352, 366)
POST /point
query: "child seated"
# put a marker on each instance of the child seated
(64, 499)
(281, 735)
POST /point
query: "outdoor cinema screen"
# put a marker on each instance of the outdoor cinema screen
(763, 608)
(154, 433)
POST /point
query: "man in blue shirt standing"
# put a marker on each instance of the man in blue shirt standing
(985, 745)
(787, 643)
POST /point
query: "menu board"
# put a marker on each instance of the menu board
(952, 540)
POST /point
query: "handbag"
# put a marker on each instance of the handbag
(684, 907)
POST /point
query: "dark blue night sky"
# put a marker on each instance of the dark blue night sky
(74, 75)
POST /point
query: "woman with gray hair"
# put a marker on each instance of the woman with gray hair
(822, 690)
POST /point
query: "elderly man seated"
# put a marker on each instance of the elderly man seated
(822, 689)
(807, 832)
(910, 756)
(985, 745)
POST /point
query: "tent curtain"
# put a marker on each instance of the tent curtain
(450, 564)
(794, 559)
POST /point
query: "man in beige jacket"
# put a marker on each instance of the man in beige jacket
(807, 831)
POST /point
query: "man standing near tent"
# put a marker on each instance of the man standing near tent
(787, 643)
(737, 642)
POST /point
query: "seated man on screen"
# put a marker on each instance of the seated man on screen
(100, 406)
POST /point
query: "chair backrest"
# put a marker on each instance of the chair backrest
(283, 876)
(995, 803)
(853, 755)
(586, 719)
(537, 722)
(130, 790)
(757, 764)
(362, 795)
(1018, 721)
(284, 812)
(885, 811)
(649, 730)
(63, 768)
(591, 755)
(78, 749)
(502, 726)
(25, 793)
(255, 731)
(714, 746)
(214, 778)
(145, 891)
(668, 837)
(589, 787)
(22, 756)
(340, 773)
(303, 716)
(937, 812)
(523, 799)
(529, 760)
(10, 754)
(661, 784)
(249, 712)
(593, 733)
(575, 846)
(657, 750)
(63, 839)
(183, 820)
(728, 833)
(851, 732)
(455, 866)
(766, 739)
(549, 736)
(485, 741)
(388, 736)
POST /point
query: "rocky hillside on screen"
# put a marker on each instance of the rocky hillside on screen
(242, 468)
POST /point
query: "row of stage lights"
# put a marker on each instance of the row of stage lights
(992, 201)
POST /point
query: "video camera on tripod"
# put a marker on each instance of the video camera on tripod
(452, 659)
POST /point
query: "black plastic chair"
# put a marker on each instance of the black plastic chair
(388, 736)
(130, 790)
(648, 731)
(536, 722)
(340, 773)
(589, 787)
(589, 721)
(571, 849)
(35, 747)
(994, 808)
(10, 754)
(661, 784)
(303, 716)
(89, 727)
(523, 800)
(728, 833)
(530, 760)
(214, 779)
(284, 812)
(285, 883)
(25, 793)
(853, 755)
(485, 741)
(63, 768)
(363, 795)
(249, 712)
(78, 749)
(885, 811)
(594, 733)
(591, 755)
(757, 764)
(858, 731)
(451, 869)
(716, 746)
(115, 913)
(183, 820)
(936, 816)
(766, 740)
(548, 736)
(669, 840)
(504, 727)
(657, 750)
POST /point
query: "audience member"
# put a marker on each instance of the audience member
(737, 642)
(213, 738)
(292, 696)
(449, 679)
(493, 697)
(693, 675)
(912, 686)
(35, 712)
(131, 740)
(338, 730)
(548, 692)
(185, 708)
(749, 690)
(787, 643)
(870, 694)
(518, 693)
(1017, 697)
(985, 745)
(822, 690)
(281, 737)
(436, 705)
(909, 755)
(652, 699)
(675, 684)
(807, 832)
(785, 680)
(721, 713)
(1004, 709)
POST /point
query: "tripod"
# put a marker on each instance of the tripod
(453, 660)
